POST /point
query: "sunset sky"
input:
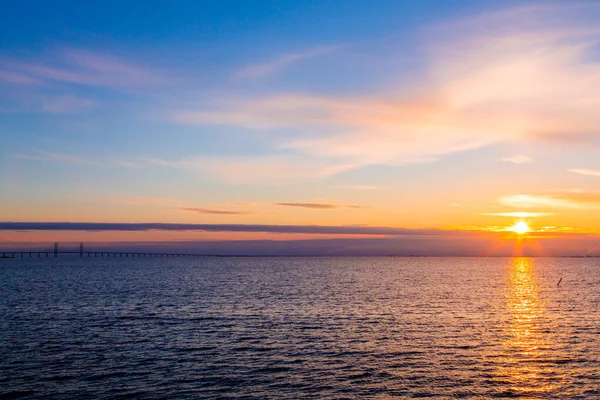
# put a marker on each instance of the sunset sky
(439, 123)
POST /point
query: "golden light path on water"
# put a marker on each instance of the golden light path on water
(527, 360)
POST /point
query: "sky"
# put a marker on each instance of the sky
(302, 127)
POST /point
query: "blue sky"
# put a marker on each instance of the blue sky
(414, 114)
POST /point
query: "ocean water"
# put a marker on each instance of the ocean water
(299, 328)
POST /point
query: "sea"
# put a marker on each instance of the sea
(299, 328)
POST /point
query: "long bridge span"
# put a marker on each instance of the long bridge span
(55, 252)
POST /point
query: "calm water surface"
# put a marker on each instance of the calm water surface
(299, 328)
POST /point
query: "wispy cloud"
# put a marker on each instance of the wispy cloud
(47, 156)
(17, 78)
(318, 206)
(563, 200)
(587, 172)
(196, 210)
(520, 214)
(81, 67)
(518, 159)
(56, 157)
(497, 78)
(360, 187)
(281, 62)
(255, 170)
(145, 201)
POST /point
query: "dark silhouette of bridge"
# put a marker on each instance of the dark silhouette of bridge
(86, 253)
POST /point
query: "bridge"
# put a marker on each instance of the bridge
(56, 252)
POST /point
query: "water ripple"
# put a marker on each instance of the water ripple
(287, 328)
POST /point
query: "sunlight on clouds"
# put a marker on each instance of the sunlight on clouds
(567, 200)
(529, 201)
(360, 187)
(587, 172)
(518, 159)
(520, 214)
(488, 83)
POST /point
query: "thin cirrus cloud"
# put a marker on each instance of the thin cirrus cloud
(360, 187)
(520, 214)
(497, 78)
(56, 157)
(518, 159)
(281, 62)
(255, 170)
(318, 206)
(17, 78)
(80, 67)
(47, 156)
(214, 211)
(586, 172)
(563, 200)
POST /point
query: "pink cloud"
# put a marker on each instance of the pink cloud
(504, 77)
(16, 78)
(281, 62)
(521, 159)
(214, 211)
(560, 200)
(318, 206)
(586, 172)
(82, 68)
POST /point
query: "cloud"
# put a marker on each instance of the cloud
(309, 229)
(360, 187)
(81, 67)
(255, 170)
(563, 200)
(518, 159)
(214, 211)
(56, 157)
(587, 172)
(281, 62)
(312, 206)
(47, 156)
(67, 105)
(124, 164)
(520, 214)
(497, 78)
(318, 206)
(145, 201)
(16, 78)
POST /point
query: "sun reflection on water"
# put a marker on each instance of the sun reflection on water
(527, 360)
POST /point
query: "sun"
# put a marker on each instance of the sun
(520, 227)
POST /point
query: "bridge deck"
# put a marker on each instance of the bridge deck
(46, 254)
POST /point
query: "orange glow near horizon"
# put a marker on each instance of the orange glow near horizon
(520, 227)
